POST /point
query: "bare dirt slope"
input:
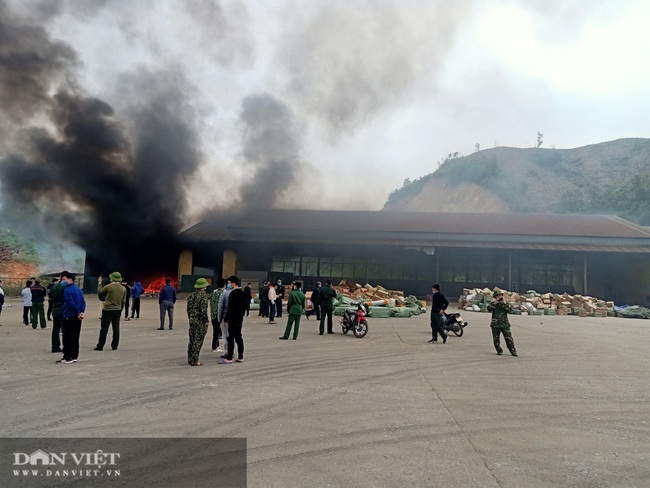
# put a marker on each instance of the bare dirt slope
(443, 195)
(537, 180)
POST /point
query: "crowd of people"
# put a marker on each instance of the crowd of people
(225, 309)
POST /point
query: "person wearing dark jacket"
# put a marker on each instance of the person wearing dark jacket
(264, 299)
(235, 308)
(327, 296)
(248, 291)
(38, 304)
(49, 300)
(56, 299)
(2, 297)
(315, 300)
(438, 305)
(279, 297)
(127, 299)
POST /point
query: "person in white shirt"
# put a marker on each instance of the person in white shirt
(27, 302)
(272, 305)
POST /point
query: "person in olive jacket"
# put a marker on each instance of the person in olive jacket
(327, 296)
(295, 307)
(114, 297)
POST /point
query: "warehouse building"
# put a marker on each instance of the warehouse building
(600, 256)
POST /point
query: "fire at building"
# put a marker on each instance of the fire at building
(598, 255)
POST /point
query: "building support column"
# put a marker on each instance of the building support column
(584, 277)
(185, 262)
(509, 270)
(229, 262)
(437, 267)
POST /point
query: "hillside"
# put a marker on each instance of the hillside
(610, 177)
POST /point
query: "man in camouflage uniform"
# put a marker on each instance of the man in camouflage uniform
(197, 313)
(500, 323)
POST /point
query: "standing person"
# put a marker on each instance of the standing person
(327, 296)
(100, 283)
(279, 297)
(315, 300)
(136, 292)
(272, 303)
(295, 308)
(2, 298)
(26, 295)
(74, 307)
(49, 300)
(166, 300)
(438, 306)
(264, 299)
(248, 291)
(38, 304)
(197, 314)
(127, 298)
(500, 323)
(55, 296)
(214, 314)
(233, 315)
(221, 313)
(114, 296)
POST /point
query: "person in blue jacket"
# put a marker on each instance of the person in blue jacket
(136, 293)
(74, 307)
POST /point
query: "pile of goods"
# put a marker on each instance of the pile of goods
(533, 303)
(378, 301)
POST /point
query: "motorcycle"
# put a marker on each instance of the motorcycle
(453, 322)
(355, 321)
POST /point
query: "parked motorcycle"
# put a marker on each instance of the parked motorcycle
(355, 321)
(453, 322)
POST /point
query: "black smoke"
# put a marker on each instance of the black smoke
(271, 150)
(114, 184)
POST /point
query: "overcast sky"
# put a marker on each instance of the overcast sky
(374, 91)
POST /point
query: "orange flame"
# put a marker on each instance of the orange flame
(155, 286)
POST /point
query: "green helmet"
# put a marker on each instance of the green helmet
(497, 293)
(201, 283)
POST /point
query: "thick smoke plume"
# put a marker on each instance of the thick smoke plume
(271, 151)
(113, 185)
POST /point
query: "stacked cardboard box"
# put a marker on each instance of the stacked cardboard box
(535, 303)
(376, 297)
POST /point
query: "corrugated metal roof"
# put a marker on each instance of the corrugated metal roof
(516, 231)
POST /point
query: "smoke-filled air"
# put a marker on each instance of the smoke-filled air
(123, 122)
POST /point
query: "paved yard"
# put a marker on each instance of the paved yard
(388, 410)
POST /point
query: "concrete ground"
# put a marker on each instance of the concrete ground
(573, 410)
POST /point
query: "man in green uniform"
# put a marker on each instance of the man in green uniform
(327, 296)
(114, 297)
(197, 313)
(295, 306)
(500, 323)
